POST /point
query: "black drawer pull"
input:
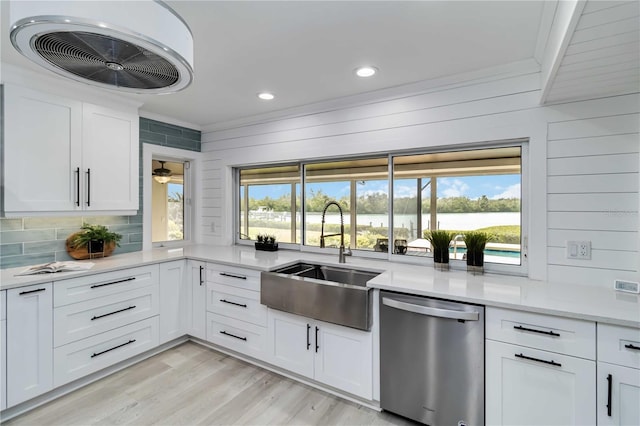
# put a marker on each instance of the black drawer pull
(114, 282)
(549, 333)
(201, 278)
(632, 346)
(114, 312)
(32, 291)
(77, 186)
(113, 348)
(240, 277)
(317, 345)
(308, 340)
(233, 335)
(609, 385)
(538, 360)
(233, 303)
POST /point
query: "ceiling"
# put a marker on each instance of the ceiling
(306, 51)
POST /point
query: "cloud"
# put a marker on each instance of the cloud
(452, 188)
(512, 191)
(400, 191)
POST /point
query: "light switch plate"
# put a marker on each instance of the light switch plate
(627, 286)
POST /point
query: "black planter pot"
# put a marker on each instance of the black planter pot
(266, 247)
(441, 259)
(96, 246)
(475, 258)
(475, 262)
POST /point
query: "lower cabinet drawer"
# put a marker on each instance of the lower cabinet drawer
(85, 319)
(619, 345)
(237, 335)
(87, 356)
(236, 303)
(545, 332)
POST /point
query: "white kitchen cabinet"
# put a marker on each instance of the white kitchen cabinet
(525, 386)
(29, 342)
(42, 148)
(3, 350)
(110, 152)
(87, 156)
(618, 375)
(340, 357)
(539, 369)
(196, 296)
(173, 300)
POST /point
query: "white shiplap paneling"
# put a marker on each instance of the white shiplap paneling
(593, 195)
(602, 57)
(579, 135)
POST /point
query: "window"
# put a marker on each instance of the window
(269, 203)
(168, 201)
(361, 188)
(458, 191)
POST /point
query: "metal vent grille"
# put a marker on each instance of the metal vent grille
(106, 60)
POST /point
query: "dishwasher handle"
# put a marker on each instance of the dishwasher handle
(434, 312)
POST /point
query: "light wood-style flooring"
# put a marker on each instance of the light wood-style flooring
(191, 384)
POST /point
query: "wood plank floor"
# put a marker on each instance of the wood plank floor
(194, 385)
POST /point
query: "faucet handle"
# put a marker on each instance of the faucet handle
(348, 251)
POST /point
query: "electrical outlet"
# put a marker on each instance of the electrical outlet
(579, 250)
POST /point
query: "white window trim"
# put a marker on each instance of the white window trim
(149, 152)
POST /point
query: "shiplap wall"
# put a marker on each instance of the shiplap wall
(603, 56)
(466, 114)
(593, 195)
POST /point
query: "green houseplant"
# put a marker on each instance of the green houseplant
(95, 238)
(266, 242)
(475, 241)
(440, 241)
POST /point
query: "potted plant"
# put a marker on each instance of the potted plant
(475, 242)
(266, 242)
(440, 241)
(96, 239)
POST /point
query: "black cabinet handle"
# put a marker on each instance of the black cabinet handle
(88, 187)
(632, 347)
(308, 339)
(233, 335)
(242, 305)
(317, 346)
(538, 360)
(113, 282)
(609, 386)
(240, 277)
(112, 313)
(549, 333)
(77, 186)
(201, 278)
(113, 348)
(31, 291)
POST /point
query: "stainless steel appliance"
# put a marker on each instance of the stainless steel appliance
(432, 359)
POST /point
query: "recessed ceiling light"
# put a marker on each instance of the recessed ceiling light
(266, 96)
(366, 71)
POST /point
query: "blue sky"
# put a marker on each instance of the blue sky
(495, 186)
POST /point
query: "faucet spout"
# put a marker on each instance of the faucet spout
(341, 252)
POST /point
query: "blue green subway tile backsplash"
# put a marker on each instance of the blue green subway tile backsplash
(32, 240)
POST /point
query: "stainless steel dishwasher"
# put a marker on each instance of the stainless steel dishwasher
(432, 359)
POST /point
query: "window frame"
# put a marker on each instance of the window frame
(191, 178)
(520, 270)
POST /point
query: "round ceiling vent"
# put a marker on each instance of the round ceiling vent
(139, 47)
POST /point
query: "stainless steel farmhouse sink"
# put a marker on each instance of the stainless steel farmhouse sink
(328, 293)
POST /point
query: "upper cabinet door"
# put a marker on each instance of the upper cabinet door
(110, 159)
(42, 151)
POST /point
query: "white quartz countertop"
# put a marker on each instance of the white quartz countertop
(593, 303)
